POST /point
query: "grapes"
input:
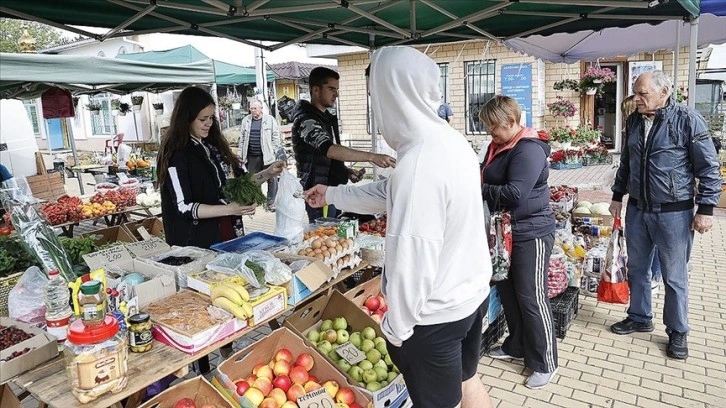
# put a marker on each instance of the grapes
(17, 354)
(11, 336)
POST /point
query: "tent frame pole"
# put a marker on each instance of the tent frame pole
(374, 126)
(676, 57)
(128, 22)
(692, 51)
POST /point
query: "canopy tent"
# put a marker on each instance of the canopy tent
(364, 23)
(224, 73)
(26, 76)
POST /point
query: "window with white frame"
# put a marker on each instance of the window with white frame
(103, 123)
(444, 80)
(32, 110)
(480, 85)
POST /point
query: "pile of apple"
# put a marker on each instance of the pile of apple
(283, 380)
(189, 403)
(375, 307)
(373, 373)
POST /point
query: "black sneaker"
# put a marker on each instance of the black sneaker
(677, 346)
(628, 326)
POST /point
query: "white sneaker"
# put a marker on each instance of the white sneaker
(538, 380)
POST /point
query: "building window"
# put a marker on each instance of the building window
(32, 109)
(103, 123)
(444, 81)
(480, 86)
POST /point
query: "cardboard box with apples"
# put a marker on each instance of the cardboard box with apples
(196, 392)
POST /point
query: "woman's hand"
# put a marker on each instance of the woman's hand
(237, 209)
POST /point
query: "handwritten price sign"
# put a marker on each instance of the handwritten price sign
(105, 257)
(146, 248)
(350, 353)
(316, 399)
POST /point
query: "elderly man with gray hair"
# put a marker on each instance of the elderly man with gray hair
(668, 148)
(259, 145)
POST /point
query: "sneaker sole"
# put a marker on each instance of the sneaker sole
(505, 357)
(539, 387)
(648, 330)
(676, 357)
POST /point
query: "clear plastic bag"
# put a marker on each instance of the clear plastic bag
(199, 258)
(290, 215)
(233, 263)
(26, 302)
(276, 272)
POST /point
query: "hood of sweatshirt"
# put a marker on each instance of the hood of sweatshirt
(405, 97)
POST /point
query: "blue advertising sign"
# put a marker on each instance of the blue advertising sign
(517, 84)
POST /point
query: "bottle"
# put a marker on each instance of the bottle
(58, 311)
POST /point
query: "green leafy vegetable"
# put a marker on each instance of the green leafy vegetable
(244, 191)
(14, 257)
(259, 272)
(77, 247)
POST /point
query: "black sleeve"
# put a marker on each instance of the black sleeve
(312, 133)
(178, 184)
(526, 162)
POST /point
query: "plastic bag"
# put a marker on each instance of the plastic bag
(290, 213)
(26, 302)
(557, 278)
(198, 259)
(613, 287)
(233, 263)
(500, 245)
(276, 272)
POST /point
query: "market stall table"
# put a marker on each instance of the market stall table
(113, 219)
(87, 168)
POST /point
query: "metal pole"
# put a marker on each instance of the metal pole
(374, 127)
(676, 55)
(692, 51)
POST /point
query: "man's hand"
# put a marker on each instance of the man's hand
(616, 208)
(276, 168)
(702, 223)
(355, 175)
(382, 160)
(315, 197)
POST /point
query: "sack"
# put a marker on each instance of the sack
(500, 245)
(290, 215)
(613, 287)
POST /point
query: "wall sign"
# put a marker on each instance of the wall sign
(517, 84)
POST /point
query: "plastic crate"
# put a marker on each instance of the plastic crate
(564, 309)
(256, 241)
(493, 333)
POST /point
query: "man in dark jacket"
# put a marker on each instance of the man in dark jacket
(668, 148)
(319, 157)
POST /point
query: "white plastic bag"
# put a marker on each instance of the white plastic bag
(26, 302)
(290, 209)
(233, 263)
(276, 272)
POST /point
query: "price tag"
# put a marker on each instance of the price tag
(151, 246)
(144, 233)
(105, 257)
(316, 399)
(121, 177)
(350, 353)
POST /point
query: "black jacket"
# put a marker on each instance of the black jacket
(516, 180)
(313, 133)
(194, 178)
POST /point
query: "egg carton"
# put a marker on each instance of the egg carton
(296, 248)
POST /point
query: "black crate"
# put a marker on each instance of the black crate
(564, 309)
(493, 333)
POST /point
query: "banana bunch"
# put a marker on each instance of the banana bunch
(233, 298)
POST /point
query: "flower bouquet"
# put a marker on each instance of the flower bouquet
(593, 78)
(562, 107)
(596, 154)
(566, 159)
(587, 135)
(562, 135)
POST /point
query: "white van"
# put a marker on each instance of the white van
(17, 141)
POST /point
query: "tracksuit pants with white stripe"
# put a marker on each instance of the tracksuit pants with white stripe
(527, 307)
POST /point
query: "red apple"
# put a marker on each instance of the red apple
(269, 403)
(289, 404)
(255, 396)
(311, 386)
(332, 387)
(265, 371)
(295, 392)
(282, 382)
(312, 378)
(282, 367)
(345, 395)
(278, 395)
(376, 318)
(251, 379)
(380, 313)
(305, 360)
(271, 364)
(185, 403)
(257, 368)
(299, 375)
(373, 303)
(283, 354)
(242, 387)
(263, 384)
(365, 309)
(384, 304)
(354, 405)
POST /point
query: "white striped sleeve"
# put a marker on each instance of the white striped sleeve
(186, 208)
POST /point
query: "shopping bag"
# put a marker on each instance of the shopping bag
(500, 244)
(290, 216)
(613, 287)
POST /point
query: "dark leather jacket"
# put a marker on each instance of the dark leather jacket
(661, 174)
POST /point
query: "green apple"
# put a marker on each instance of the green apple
(381, 364)
(339, 323)
(343, 336)
(387, 359)
(314, 336)
(373, 356)
(373, 386)
(368, 333)
(391, 376)
(379, 339)
(356, 372)
(366, 345)
(381, 373)
(365, 365)
(327, 325)
(369, 376)
(356, 339)
(382, 348)
(384, 383)
(324, 346)
(344, 365)
(330, 335)
(334, 355)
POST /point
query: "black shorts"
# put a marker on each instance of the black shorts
(436, 359)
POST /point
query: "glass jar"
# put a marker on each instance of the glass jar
(96, 359)
(91, 303)
(140, 339)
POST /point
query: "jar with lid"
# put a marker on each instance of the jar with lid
(140, 339)
(96, 359)
(91, 301)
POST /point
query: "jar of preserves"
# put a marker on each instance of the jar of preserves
(91, 301)
(96, 359)
(140, 339)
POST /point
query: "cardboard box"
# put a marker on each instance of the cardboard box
(109, 235)
(43, 347)
(395, 394)
(240, 365)
(147, 253)
(360, 293)
(161, 282)
(8, 398)
(307, 280)
(604, 220)
(146, 229)
(197, 388)
(266, 305)
(46, 186)
(203, 282)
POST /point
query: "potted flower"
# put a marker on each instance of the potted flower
(158, 108)
(566, 85)
(562, 107)
(225, 103)
(566, 159)
(123, 108)
(596, 154)
(236, 101)
(587, 135)
(593, 78)
(562, 135)
(94, 107)
(136, 101)
(681, 95)
(115, 106)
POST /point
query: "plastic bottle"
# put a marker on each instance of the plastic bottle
(58, 311)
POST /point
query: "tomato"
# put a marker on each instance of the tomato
(4, 231)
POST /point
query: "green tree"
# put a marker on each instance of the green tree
(11, 30)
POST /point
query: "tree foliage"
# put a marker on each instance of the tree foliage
(11, 30)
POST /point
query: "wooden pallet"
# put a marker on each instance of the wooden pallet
(47, 186)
